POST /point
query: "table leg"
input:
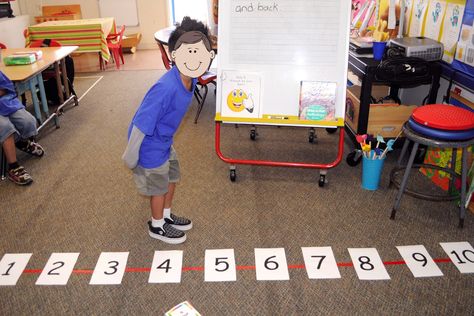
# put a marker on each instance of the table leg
(34, 97)
(58, 82)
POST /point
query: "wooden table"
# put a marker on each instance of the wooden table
(27, 77)
(90, 35)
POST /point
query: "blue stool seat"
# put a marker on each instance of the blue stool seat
(441, 134)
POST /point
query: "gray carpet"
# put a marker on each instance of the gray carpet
(84, 200)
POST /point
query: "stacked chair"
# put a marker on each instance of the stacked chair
(440, 126)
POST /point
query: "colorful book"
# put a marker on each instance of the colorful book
(19, 59)
(317, 100)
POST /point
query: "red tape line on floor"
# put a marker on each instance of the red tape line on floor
(290, 266)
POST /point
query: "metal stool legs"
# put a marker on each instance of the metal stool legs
(403, 184)
(3, 164)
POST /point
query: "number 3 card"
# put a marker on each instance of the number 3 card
(110, 268)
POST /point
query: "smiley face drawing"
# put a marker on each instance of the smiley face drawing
(192, 54)
(238, 100)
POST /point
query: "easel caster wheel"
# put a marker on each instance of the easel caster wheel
(311, 135)
(322, 180)
(233, 175)
(331, 130)
(253, 134)
(353, 159)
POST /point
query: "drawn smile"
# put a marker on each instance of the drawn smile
(193, 69)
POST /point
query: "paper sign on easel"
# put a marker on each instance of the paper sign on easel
(240, 94)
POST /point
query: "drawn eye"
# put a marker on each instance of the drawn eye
(240, 93)
(234, 93)
(190, 51)
(195, 51)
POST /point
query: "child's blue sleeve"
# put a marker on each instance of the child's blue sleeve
(153, 107)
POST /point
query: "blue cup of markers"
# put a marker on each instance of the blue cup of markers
(378, 49)
(371, 172)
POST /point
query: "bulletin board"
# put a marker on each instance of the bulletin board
(283, 62)
(125, 12)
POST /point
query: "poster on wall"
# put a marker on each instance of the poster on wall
(434, 18)
(417, 18)
(452, 27)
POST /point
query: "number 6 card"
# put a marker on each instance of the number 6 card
(270, 264)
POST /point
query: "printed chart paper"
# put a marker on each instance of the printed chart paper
(434, 18)
(418, 15)
(451, 28)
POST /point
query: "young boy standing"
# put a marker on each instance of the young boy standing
(149, 152)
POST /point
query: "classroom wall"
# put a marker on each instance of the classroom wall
(152, 15)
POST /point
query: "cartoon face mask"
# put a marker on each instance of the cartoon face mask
(192, 59)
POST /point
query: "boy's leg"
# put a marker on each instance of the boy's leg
(16, 173)
(157, 203)
(178, 222)
(25, 123)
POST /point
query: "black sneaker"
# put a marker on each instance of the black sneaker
(181, 223)
(167, 233)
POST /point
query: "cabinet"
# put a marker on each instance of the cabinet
(365, 69)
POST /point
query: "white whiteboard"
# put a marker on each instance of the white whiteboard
(124, 11)
(283, 42)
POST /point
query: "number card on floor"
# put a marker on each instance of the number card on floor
(320, 263)
(368, 264)
(419, 261)
(12, 266)
(110, 268)
(58, 269)
(461, 254)
(270, 264)
(166, 267)
(219, 265)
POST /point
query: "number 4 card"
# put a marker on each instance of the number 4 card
(320, 263)
(166, 267)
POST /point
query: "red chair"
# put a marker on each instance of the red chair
(45, 43)
(2, 46)
(114, 43)
(164, 56)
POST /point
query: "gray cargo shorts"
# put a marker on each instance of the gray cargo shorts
(155, 181)
(20, 123)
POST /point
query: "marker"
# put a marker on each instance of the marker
(278, 117)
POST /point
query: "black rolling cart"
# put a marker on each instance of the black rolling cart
(366, 69)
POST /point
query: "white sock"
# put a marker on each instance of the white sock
(157, 222)
(167, 212)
